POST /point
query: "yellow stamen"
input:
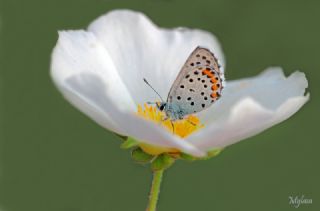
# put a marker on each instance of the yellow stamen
(181, 128)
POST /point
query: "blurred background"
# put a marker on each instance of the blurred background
(53, 158)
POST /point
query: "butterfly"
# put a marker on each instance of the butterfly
(198, 85)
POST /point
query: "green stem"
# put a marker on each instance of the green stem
(155, 190)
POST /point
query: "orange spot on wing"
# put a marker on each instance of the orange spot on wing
(213, 80)
(206, 72)
(214, 87)
(211, 75)
(214, 95)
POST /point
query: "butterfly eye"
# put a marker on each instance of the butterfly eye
(161, 107)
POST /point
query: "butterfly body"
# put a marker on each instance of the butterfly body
(173, 111)
(198, 85)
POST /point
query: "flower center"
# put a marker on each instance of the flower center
(181, 128)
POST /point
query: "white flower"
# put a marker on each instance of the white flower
(100, 71)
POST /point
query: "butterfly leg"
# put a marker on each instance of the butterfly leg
(172, 126)
(191, 122)
(166, 118)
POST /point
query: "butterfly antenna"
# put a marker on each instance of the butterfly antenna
(145, 80)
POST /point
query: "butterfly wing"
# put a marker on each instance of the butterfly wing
(198, 84)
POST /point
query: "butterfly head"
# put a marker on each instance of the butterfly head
(161, 105)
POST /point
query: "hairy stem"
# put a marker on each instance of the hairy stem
(155, 190)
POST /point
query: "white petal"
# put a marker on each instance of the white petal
(270, 89)
(139, 49)
(88, 86)
(79, 52)
(250, 106)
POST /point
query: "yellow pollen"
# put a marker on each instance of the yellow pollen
(181, 128)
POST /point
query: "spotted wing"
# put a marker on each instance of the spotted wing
(198, 84)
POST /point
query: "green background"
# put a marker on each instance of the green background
(53, 158)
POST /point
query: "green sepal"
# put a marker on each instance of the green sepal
(187, 157)
(129, 143)
(212, 153)
(162, 162)
(121, 137)
(140, 156)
